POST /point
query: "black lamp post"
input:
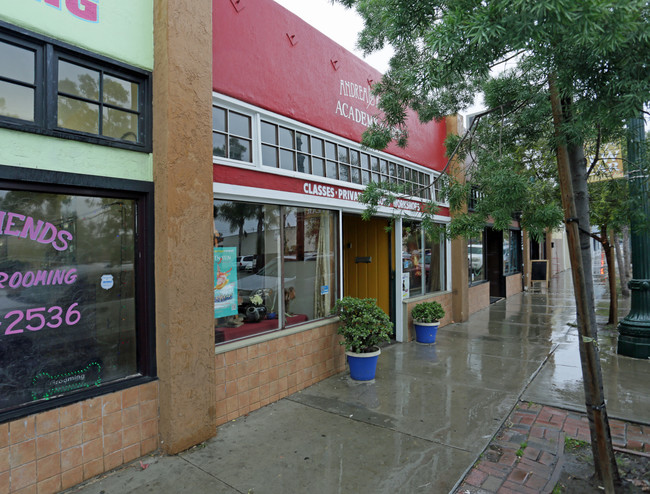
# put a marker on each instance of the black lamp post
(634, 329)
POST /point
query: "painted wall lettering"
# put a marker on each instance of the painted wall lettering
(35, 278)
(86, 10)
(18, 225)
(51, 317)
(357, 91)
(319, 190)
(352, 113)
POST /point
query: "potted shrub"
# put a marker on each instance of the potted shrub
(426, 319)
(363, 327)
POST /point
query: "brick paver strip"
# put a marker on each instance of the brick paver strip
(543, 429)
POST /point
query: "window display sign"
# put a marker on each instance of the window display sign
(67, 294)
(225, 281)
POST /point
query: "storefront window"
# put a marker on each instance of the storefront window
(476, 259)
(67, 294)
(435, 265)
(511, 252)
(423, 270)
(412, 259)
(309, 264)
(274, 267)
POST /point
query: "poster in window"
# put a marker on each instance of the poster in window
(406, 285)
(225, 281)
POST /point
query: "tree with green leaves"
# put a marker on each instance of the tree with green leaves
(589, 58)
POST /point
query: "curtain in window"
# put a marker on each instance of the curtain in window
(323, 301)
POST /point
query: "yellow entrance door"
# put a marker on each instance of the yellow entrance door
(366, 259)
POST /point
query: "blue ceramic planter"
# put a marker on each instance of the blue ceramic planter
(425, 332)
(363, 365)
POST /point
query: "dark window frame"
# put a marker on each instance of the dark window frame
(32, 180)
(49, 51)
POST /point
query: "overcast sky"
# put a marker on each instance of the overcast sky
(338, 23)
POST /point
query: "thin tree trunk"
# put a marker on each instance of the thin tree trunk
(622, 272)
(578, 167)
(601, 440)
(611, 275)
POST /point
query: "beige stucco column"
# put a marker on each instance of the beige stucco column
(182, 154)
(459, 267)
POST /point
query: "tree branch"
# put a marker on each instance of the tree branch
(593, 163)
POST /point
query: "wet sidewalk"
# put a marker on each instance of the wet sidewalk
(421, 425)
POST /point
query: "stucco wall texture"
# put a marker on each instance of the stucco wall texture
(184, 223)
(120, 29)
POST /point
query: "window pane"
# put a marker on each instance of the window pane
(475, 259)
(302, 142)
(78, 81)
(365, 162)
(269, 156)
(269, 133)
(383, 167)
(286, 159)
(239, 125)
(286, 138)
(400, 171)
(303, 163)
(374, 163)
(356, 175)
(120, 124)
(407, 174)
(344, 154)
(78, 115)
(365, 177)
(17, 63)
(318, 167)
(375, 177)
(218, 145)
(309, 264)
(391, 169)
(330, 150)
(120, 93)
(332, 169)
(240, 149)
(247, 271)
(411, 259)
(434, 263)
(71, 298)
(354, 158)
(16, 101)
(218, 119)
(344, 173)
(317, 147)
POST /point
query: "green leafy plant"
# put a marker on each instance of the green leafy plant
(574, 444)
(520, 451)
(363, 324)
(428, 312)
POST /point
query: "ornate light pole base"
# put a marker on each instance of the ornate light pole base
(634, 347)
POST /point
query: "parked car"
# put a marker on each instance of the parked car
(246, 263)
(475, 252)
